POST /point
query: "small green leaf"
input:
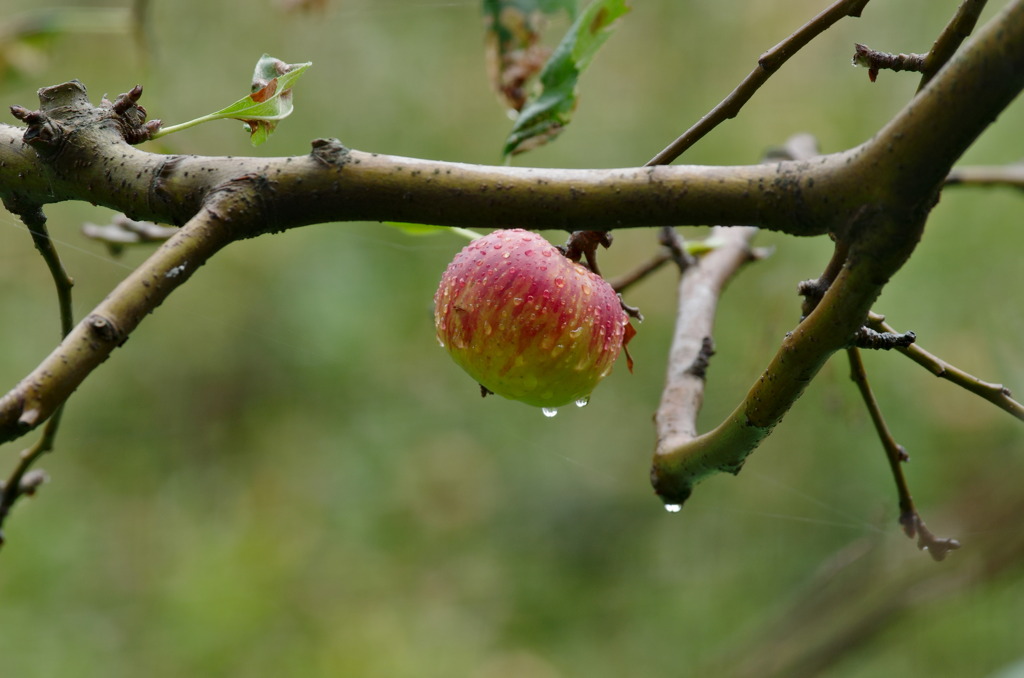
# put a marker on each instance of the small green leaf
(268, 104)
(549, 111)
(423, 229)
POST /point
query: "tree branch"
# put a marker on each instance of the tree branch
(700, 288)
(767, 64)
(23, 481)
(905, 166)
(997, 394)
(997, 175)
(910, 519)
(874, 197)
(875, 61)
(108, 326)
(956, 31)
(334, 183)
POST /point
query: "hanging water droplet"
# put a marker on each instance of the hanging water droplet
(583, 402)
(549, 411)
(673, 508)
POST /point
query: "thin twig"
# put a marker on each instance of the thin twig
(677, 249)
(1011, 175)
(22, 480)
(883, 341)
(627, 280)
(813, 290)
(910, 519)
(122, 231)
(875, 61)
(767, 64)
(952, 36)
(35, 220)
(673, 248)
(996, 394)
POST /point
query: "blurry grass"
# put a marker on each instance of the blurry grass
(281, 473)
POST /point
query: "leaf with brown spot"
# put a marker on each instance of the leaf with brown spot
(549, 110)
(514, 53)
(269, 103)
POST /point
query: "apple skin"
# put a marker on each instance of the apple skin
(526, 322)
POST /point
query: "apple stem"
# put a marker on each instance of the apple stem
(583, 244)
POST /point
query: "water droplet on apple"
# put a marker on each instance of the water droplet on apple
(583, 402)
(673, 508)
(549, 411)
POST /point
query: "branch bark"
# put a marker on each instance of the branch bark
(904, 167)
(875, 197)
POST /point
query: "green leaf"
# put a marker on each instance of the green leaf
(268, 104)
(513, 49)
(423, 229)
(550, 110)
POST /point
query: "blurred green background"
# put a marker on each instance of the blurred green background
(282, 474)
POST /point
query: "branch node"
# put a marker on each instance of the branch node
(43, 133)
(29, 418)
(699, 367)
(330, 152)
(104, 329)
(131, 116)
(128, 100)
(26, 116)
(875, 61)
(584, 244)
(937, 547)
(31, 481)
(872, 339)
(670, 238)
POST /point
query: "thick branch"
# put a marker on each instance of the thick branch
(700, 287)
(108, 326)
(904, 165)
(875, 196)
(334, 183)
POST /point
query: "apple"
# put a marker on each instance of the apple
(526, 322)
